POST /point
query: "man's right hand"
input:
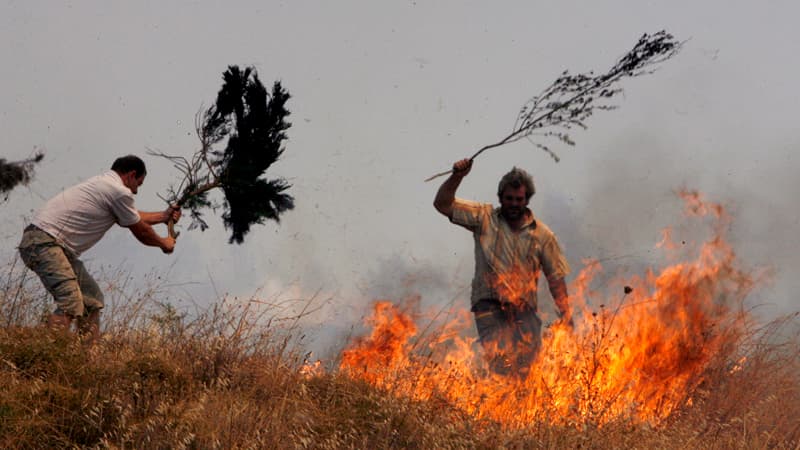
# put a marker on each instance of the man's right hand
(168, 244)
(446, 194)
(461, 168)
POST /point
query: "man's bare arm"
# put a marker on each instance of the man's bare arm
(446, 194)
(558, 289)
(145, 233)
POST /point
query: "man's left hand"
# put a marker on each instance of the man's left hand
(172, 213)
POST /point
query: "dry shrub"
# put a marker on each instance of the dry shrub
(229, 377)
(754, 402)
(23, 299)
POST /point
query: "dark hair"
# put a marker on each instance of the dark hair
(516, 178)
(125, 164)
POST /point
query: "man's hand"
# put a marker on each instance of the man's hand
(461, 168)
(558, 289)
(146, 235)
(172, 213)
(446, 194)
(168, 245)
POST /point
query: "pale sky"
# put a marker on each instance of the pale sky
(388, 93)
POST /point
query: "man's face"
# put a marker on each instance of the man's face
(513, 202)
(132, 182)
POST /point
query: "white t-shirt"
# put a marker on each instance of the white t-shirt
(80, 215)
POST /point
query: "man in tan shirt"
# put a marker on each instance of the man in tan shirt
(511, 249)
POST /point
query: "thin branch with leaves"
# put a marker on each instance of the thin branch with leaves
(14, 173)
(199, 177)
(252, 122)
(571, 99)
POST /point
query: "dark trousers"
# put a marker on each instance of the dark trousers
(509, 334)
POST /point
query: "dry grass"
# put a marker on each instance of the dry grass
(230, 378)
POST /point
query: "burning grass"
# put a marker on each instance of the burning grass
(664, 347)
(231, 376)
(673, 361)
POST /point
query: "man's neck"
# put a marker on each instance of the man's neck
(519, 223)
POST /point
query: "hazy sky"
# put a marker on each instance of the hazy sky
(388, 93)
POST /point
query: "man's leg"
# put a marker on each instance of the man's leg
(42, 255)
(89, 326)
(527, 338)
(93, 302)
(59, 321)
(495, 333)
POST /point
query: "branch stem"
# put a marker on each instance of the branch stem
(568, 100)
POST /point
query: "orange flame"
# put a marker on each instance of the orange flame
(516, 285)
(387, 346)
(638, 355)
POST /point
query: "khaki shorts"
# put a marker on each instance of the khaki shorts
(62, 273)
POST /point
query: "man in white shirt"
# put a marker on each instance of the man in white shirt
(72, 222)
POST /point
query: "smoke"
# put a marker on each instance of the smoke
(399, 278)
(632, 197)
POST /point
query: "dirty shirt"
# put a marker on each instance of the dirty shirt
(508, 262)
(80, 215)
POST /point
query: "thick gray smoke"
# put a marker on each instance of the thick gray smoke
(633, 197)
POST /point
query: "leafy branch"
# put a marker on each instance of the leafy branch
(571, 99)
(252, 123)
(14, 173)
(199, 177)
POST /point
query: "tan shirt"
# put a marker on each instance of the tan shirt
(80, 215)
(508, 262)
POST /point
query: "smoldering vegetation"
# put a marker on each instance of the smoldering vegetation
(235, 375)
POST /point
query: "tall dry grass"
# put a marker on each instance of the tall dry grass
(234, 376)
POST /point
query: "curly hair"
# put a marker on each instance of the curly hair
(515, 178)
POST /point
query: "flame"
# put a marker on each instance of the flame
(638, 355)
(388, 346)
(516, 285)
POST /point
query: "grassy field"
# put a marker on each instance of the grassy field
(230, 378)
